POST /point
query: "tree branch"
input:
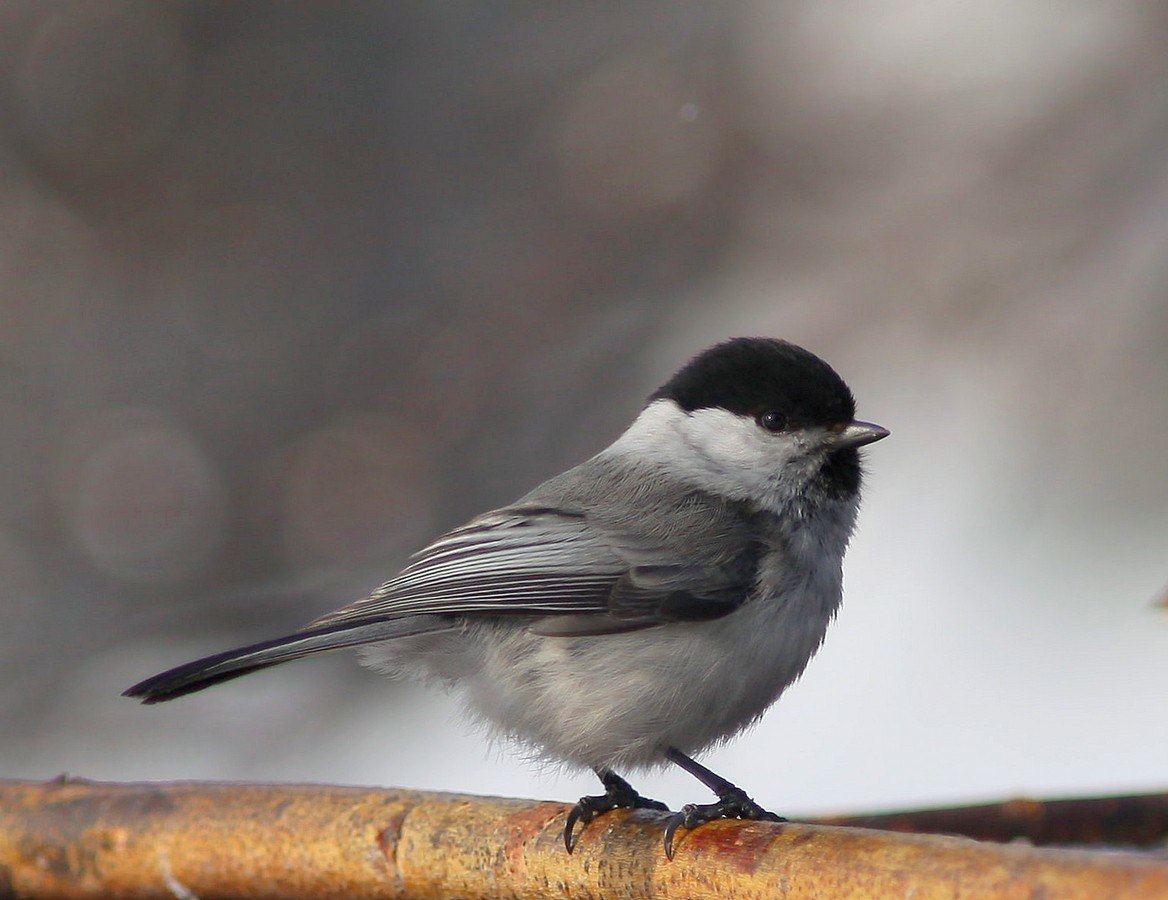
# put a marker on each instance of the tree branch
(70, 838)
(1139, 820)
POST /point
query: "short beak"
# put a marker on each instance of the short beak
(855, 434)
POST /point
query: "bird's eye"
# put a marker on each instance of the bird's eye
(772, 421)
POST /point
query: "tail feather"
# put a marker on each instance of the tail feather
(202, 673)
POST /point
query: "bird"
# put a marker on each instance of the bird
(641, 607)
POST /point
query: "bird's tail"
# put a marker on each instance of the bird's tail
(202, 673)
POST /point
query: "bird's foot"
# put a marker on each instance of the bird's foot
(732, 804)
(618, 794)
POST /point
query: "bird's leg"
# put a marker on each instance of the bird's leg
(732, 801)
(618, 794)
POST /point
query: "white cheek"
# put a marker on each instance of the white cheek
(727, 440)
(722, 442)
(714, 449)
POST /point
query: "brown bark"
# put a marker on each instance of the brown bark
(81, 839)
(1139, 820)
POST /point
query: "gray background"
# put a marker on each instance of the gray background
(288, 288)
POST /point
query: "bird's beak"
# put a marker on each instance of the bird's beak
(855, 434)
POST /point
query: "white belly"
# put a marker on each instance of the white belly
(615, 701)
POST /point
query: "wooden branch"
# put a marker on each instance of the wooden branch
(70, 838)
(1133, 821)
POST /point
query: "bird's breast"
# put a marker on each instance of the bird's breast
(614, 701)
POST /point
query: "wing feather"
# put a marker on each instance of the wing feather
(510, 563)
(546, 562)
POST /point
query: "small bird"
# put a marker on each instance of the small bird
(642, 606)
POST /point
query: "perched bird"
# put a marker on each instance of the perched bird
(641, 606)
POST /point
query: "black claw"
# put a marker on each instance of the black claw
(618, 794)
(671, 828)
(574, 816)
(733, 804)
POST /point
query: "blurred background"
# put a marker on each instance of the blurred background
(286, 289)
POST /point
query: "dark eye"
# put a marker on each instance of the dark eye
(772, 421)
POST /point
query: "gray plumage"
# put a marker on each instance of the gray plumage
(643, 605)
(612, 676)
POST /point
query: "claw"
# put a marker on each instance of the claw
(578, 813)
(732, 805)
(732, 801)
(618, 794)
(671, 827)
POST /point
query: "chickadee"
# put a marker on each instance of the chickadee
(641, 606)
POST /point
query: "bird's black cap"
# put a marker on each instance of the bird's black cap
(750, 376)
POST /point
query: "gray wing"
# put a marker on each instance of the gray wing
(570, 560)
(563, 568)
